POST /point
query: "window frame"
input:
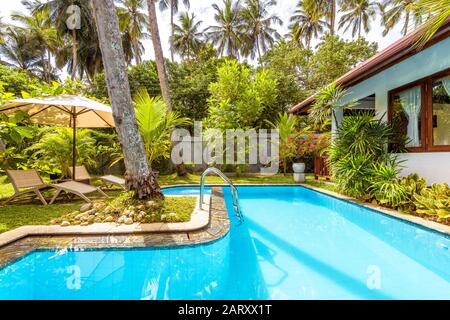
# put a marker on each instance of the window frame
(426, 117)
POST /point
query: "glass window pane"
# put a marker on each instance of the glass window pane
(406, 114)
(441, 112)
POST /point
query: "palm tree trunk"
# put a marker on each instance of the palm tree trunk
(137, 56)
(172, 31)
(333, 17)
(140, 177)
(74, 54)
(259, 49)
(159, 58)
(405, 27)
(359, 29)
(44, 66)
(49, 65)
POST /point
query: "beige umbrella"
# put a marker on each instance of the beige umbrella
(68, 111)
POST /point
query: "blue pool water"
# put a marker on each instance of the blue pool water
(294, 244)
(185, 191)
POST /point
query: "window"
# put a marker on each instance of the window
(441, 112)
(420, 113)
(406, 115)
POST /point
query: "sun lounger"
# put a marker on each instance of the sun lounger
(27, 182)
(76, 188)
(82, 175)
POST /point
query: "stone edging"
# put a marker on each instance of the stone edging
(207, 225)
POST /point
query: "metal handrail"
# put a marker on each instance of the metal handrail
(234, 191)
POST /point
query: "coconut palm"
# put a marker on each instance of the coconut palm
(257, 25)
(227, 33)
(396, 11)
(306, 23)
(159, 57)
(133, 23)
(173, 5)
(140, 177)
(18, 51)
(357, 14)
(85, 36)
(187, 37)
(41, 33)
(439, 13)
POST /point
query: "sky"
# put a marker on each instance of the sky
(204, 12)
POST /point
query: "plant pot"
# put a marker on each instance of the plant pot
(298, 167)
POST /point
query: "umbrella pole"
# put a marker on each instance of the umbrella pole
(74, 144)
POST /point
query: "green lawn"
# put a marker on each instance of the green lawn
(16, 215)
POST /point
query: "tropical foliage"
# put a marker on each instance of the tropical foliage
(239, 98)
(156, 124)
(287, 129)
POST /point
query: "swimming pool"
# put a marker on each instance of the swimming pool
(295, 243)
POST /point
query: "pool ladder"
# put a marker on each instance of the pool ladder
(234, 191)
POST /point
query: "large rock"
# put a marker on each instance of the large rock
(128, 221)
(65, 224)
(86, 207)
(151, 204)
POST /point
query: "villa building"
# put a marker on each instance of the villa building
(408, 86)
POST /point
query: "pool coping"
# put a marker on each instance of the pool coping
(217, 227)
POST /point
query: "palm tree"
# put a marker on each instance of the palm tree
(159, 57)
(306, 23)
(133, 22)
(328, 10)
(19, 52)
(357, 14)
(187, 38)
(43, 34)
(257, 25)
(395, 11)
(156, 124)
(227, 34)
(173, 5)
(439, 13)
(140, 177)
(86, 35)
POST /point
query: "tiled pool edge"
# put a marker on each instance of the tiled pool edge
(217, 226)
(433, 226)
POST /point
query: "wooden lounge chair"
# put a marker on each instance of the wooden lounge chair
(82, 175)
(27, 182)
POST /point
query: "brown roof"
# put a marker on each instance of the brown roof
(396, 52)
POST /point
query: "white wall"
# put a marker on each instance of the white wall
(435, 166)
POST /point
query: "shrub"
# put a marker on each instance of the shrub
(358, 154)
(386, 187)
(53, 152)
(434, 201)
